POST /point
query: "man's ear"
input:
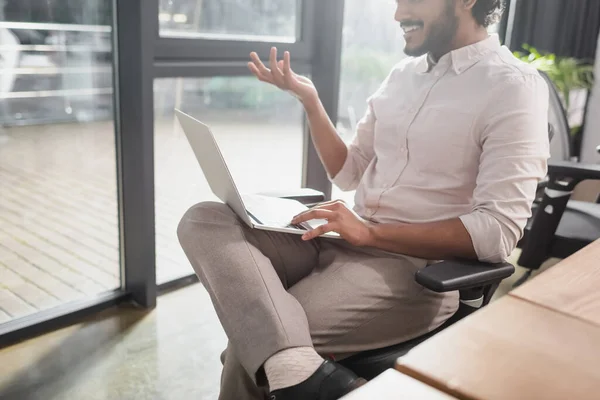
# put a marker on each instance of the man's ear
(469, 4)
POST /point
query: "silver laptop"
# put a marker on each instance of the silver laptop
(257, 211)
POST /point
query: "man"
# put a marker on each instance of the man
(446, 162)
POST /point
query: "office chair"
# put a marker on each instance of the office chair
(475, 281)
(559, 226)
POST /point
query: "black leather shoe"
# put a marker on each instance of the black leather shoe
(330, 382)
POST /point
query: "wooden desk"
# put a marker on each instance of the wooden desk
(571, 287)
(542, 341)
(513, 349)
(392, 385)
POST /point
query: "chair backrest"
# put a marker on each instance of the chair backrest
(560, 140)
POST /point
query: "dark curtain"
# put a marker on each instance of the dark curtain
(565, 27)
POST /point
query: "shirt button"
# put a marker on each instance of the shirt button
(403, 149)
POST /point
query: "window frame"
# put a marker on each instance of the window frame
(200, 49)
(158, 57)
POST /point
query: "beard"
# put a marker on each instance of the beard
(441, 34)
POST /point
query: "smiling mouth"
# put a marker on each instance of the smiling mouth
(410, 27)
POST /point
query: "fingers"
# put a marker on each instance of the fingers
(262, 77)
(257, 67)
(328, 206)
(287, 68)
(280, 72)
(320, 230)
(258, 63)
(314, 213)
(333, 205)
(276, 73)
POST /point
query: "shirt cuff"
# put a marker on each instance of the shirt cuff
(487, 237)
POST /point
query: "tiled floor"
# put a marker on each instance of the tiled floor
(58, 201)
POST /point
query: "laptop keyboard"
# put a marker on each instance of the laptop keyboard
(272, 211)
(276, 222)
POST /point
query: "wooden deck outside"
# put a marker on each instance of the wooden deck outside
(58, 202)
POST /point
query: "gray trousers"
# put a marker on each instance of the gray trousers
(272, 291)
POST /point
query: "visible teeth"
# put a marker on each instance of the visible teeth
(408, 29)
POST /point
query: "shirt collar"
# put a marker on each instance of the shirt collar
(463, 58)
(431, 62)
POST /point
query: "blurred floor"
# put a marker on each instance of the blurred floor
(171, 352)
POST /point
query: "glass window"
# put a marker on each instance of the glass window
(372, 44)
(259, 130)
(59, 235)
(275, 20)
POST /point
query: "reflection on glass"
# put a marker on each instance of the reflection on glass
(372, 44)
(59, 238)
(56, 61)
(229, 19)
(259, 130)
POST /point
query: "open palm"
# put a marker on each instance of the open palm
(281, 75)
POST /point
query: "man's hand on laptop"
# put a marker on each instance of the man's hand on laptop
(281, 75)
(340, 219)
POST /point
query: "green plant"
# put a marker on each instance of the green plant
(246, 93)
(566, 73)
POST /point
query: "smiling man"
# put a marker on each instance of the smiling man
(445, 164)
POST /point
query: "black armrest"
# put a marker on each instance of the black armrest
(304, 195)
(564, 176)
(448, 276)
(574, 170)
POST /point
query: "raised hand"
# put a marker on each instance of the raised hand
(281, 75)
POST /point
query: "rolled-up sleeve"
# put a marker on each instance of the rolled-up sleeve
(515, 152)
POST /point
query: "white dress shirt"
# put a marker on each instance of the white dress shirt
(466, 138)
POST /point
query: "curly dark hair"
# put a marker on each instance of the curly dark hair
(488, 12)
